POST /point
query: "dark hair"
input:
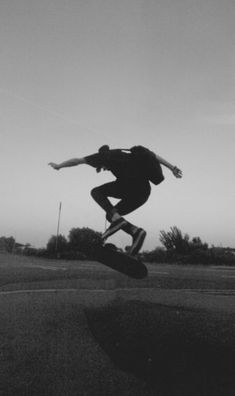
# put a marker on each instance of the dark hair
(104, 149)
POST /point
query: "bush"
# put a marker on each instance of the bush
(158, 255)
(30, 251)
(73, 255)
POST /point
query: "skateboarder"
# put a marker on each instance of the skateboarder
(134, 169)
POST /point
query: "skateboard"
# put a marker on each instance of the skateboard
(128, 265)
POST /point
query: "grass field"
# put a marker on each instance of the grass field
(79, 328)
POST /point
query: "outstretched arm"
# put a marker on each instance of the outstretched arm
(68, 163)
(176, 171)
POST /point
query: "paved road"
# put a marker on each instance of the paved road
(98, 331)
(210, 287)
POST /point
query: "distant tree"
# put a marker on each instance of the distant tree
(55, 245)
(8, 243)
(197, 244)
(84, 239)
(174, 239)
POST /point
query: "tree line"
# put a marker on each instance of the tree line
(177, 247)
(79, 245)
(180, 248)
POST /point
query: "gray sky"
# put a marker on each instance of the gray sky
(77, 74)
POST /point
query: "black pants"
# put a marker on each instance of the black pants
(131, 195)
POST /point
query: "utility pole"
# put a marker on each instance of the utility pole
(58, 228)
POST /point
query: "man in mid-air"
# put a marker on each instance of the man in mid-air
(134, 169)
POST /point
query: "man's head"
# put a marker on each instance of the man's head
(104, 151)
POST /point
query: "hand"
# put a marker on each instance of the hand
(177, 172)
(54, 166)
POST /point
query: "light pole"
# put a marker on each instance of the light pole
(58, 228)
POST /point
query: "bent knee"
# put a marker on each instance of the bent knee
(95, 192)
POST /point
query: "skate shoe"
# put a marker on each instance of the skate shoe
(138, 240)
(114, 227)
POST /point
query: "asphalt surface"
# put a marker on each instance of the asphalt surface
(169, 334)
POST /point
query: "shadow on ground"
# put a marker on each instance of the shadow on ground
(175, 351)
(46, 349)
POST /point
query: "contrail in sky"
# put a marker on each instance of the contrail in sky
(52, 112)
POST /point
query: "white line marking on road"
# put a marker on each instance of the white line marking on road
(159, 272)
(38, 291)
(46, 267)
(206, 291)
(69, 290)
(221, 269)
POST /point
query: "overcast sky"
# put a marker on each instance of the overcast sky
(77, 74)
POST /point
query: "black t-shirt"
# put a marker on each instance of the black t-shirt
(122, 164)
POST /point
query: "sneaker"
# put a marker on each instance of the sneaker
(138, 240)
(114, 227)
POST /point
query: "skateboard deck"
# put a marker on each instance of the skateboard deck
(120, 262)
